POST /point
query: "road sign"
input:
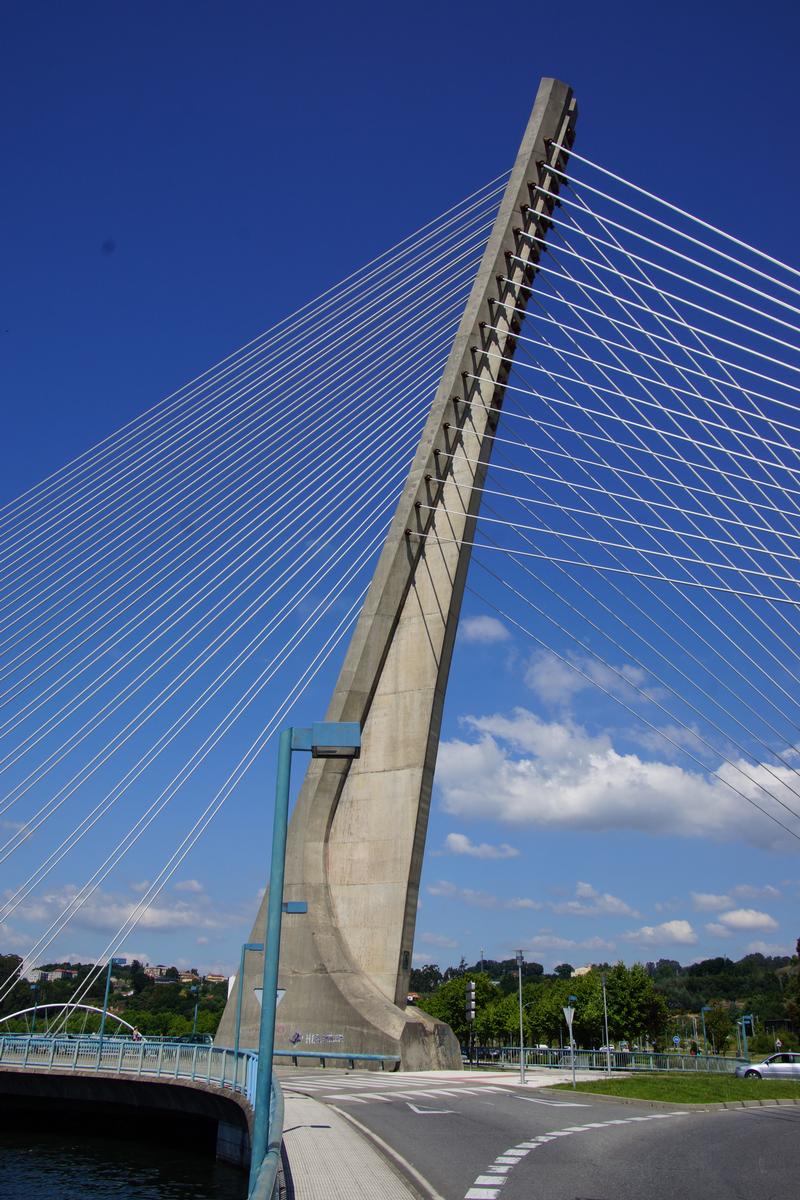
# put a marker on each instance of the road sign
(569, 1012)
(676, 1041)
(281, 992)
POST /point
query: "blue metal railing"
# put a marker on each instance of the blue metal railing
(389, 1062)
(214, 1065)
(620, 1060)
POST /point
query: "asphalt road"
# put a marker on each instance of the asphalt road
(482, 1139)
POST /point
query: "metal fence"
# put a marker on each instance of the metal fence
(600, 1060)
(214, 1065)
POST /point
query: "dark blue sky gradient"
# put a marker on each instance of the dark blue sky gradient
(179, 176)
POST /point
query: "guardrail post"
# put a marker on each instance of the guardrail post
(141, 1057)
(52, 1054)
(160, 1058)
(119, 1059)
(194, 1062)
(27, 1048)
(208, 1064)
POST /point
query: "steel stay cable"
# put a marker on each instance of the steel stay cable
(638, 550)
(664, 433)
(628, 708)
(323, 341)
(189, 635)
(637, 661)
(694, 630)
(643, 307)
(703, 287)
(256, 521)
(315, 304)
(672, 663)
(368, 358)
(244, 764)
(775, 422)
(254, 689)
(711, 590)
(663, 407)
(665, 362)
(691, 216)
(708, 268)
(233, 779)
(255, 606)
(629, 520)
(678, 232)
(600, 465)
(606, 491)
(737, 434)
(781, 362)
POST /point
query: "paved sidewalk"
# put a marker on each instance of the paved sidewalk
(329, 1159)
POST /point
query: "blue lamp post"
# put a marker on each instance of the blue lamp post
(256, 947)
(326, 739)
(35, 989)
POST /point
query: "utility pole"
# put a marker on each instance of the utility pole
(605, 1021)
(520, 961)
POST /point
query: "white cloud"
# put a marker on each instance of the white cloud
(141, 886)
(708, 902)
(106, 912)
(438, 939)
(748, 892)
(202, 941)
(189, 885)
(478, 899)
(483, 629)
(748, 918)
(554, 775)
(550, 941)
(771, 949)
(459, 843)
(678, 933)
(556, 681)
(718, 930)
(591, 903)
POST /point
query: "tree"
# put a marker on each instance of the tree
(719, 1026)
(563, 971)
(449, 1002)
(425, 979)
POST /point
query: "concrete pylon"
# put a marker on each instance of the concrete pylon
(357, 835)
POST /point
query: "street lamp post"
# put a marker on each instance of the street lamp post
(35, 990)
(255, 947)
(569, 1014)
(605, 1023)
(340, 739)
(195, 990)
(520, 962)
(105, 1003)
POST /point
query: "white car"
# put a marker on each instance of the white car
(777, 1066)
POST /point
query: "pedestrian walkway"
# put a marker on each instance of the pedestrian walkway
(330, 1159)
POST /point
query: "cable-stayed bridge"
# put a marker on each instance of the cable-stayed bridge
(171, 595)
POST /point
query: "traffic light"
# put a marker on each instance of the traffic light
(470, 1000)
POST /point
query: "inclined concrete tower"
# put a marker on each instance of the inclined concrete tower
(357, 835)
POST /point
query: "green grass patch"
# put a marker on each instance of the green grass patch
(690, 1089)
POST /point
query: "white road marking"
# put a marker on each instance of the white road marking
(554, 1103)
(433, 1111)
(504, 1162)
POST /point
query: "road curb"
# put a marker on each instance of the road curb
(395, 1161)
(700, 1106)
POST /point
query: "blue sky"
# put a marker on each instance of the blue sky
(179, 177)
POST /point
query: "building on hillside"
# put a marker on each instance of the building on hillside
(156, 972)
(578, 971)
(215, 978)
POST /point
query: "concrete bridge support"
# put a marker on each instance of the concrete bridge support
(358, 832)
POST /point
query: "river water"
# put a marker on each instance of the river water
(76, 1167)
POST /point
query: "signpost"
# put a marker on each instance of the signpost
(569, 1013)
